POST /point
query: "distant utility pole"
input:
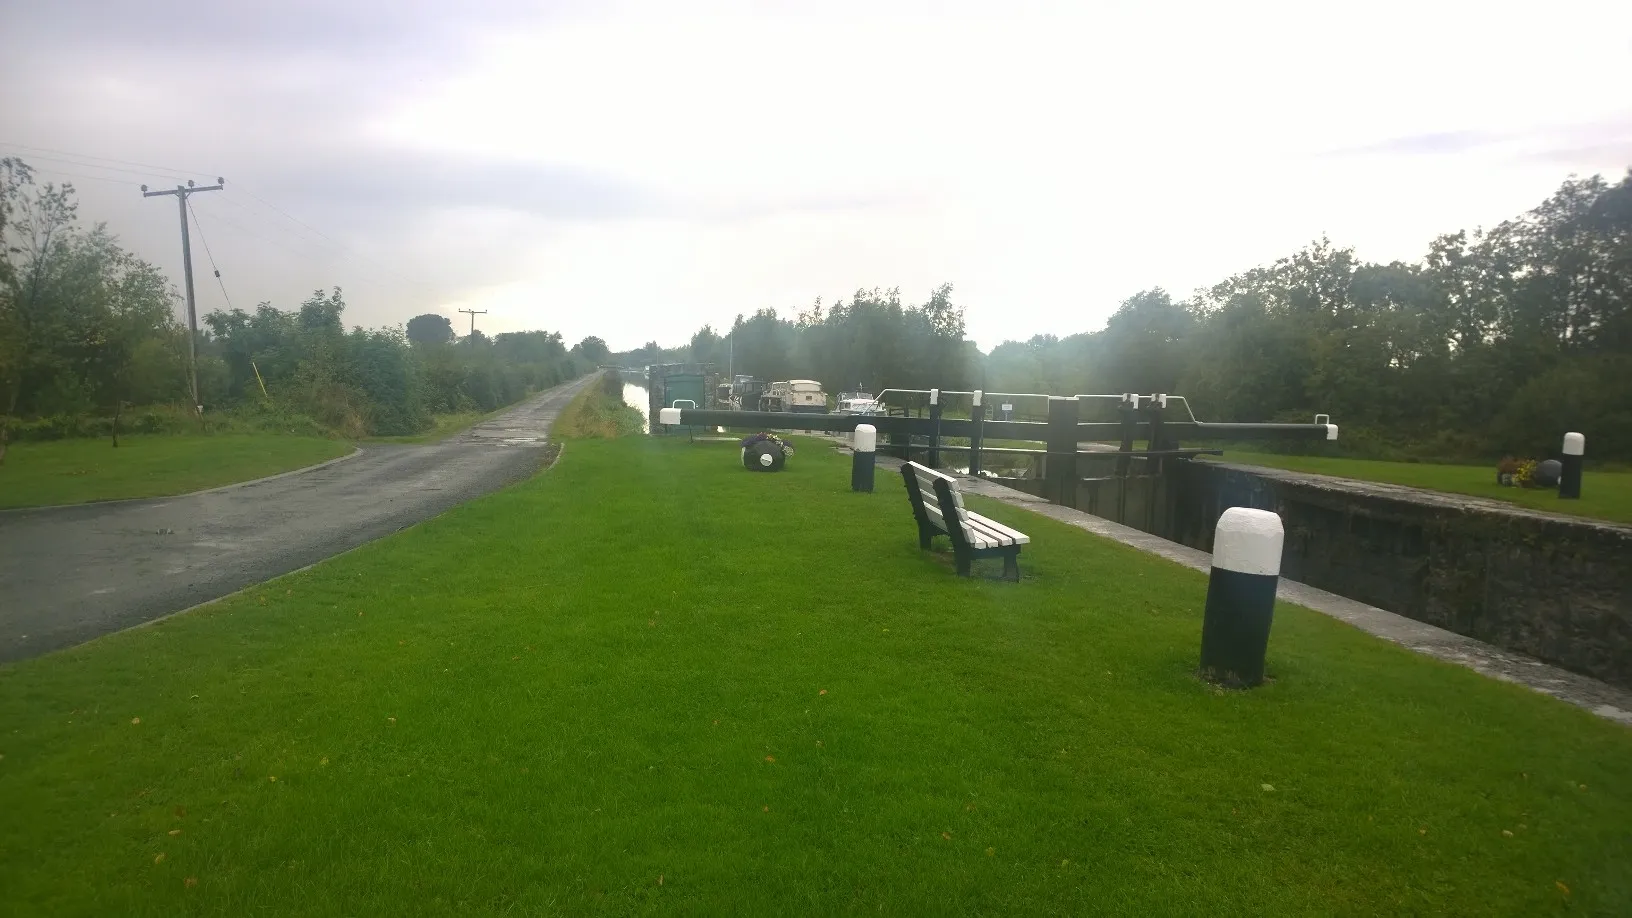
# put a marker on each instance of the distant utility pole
(473, 313)
(181, 192)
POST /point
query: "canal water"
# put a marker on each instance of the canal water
(636, 397)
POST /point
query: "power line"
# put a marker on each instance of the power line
(149, 174)
(171, 172)
(182, 173)
(91, 178)
(207, 253)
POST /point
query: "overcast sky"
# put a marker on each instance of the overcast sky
(634, 170)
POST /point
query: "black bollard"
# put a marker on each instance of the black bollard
(1241, 597)
(1569, 483)
(863, 457)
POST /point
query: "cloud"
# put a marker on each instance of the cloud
(639, 169)
(1437, 143)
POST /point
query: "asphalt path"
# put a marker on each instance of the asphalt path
(69, 574)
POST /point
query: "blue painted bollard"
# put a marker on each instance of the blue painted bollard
(863, 457)
(1569, 481)
(1241, 597)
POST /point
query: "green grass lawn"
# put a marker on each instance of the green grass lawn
(649, 682)
(1604, 495)
(81, 470)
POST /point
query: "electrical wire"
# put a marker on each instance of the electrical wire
(207, 253)
(77, 175)
(43, 152)
(96, 162)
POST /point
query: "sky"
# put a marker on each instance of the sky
(636, 170)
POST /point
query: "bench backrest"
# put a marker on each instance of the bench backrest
(934, 497)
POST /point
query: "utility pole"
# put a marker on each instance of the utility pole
(473, 313)
(181, 192)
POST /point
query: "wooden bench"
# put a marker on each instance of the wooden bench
(938, 507)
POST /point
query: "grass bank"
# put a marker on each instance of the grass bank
(442, 427)
(1604, 495)
(81, 470)
(651, 682)
(599, 412)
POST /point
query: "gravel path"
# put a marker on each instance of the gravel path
(69, 574)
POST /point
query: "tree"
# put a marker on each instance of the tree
(31, 318)
(430, 329)
(593, 350)
(14, 177)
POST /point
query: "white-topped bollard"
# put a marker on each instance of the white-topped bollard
(1241, 596)
(1569, 481)
(667, 416)
(863, 457)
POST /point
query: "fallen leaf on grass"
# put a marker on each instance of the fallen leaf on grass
(1267, 787)
(1506, 833)
(175, 831)
(771, 759)
(1559, 883)
(392, 719)
(271, 777)
(822, 692)
(159, 859)
(991, 851)
(323, 761)
(947, 835)
(135, 720)
(660, 879)
(181, 812)
(1422, 831)
(190, 882)
(767, 809)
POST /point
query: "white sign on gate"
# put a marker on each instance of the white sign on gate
(1007, 407)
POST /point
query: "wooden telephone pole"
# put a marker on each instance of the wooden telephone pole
(473, 313)
(181, 192)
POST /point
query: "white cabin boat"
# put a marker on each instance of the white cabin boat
(801, 395)
(860, 403)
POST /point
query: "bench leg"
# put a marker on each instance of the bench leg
(1011, 566)
(964, 563)
(925, 534)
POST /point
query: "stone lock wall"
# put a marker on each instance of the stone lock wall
(1553, 587)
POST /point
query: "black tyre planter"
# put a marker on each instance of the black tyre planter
(764, 456)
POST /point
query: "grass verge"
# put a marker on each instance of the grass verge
(443, 426)
(598, 412)
(651, 682)
(79, 470)
(1604, 495)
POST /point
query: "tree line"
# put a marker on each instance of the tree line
(88, 335)
(1496, 342)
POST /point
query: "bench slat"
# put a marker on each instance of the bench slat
(979, 526)
(1014, 535)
